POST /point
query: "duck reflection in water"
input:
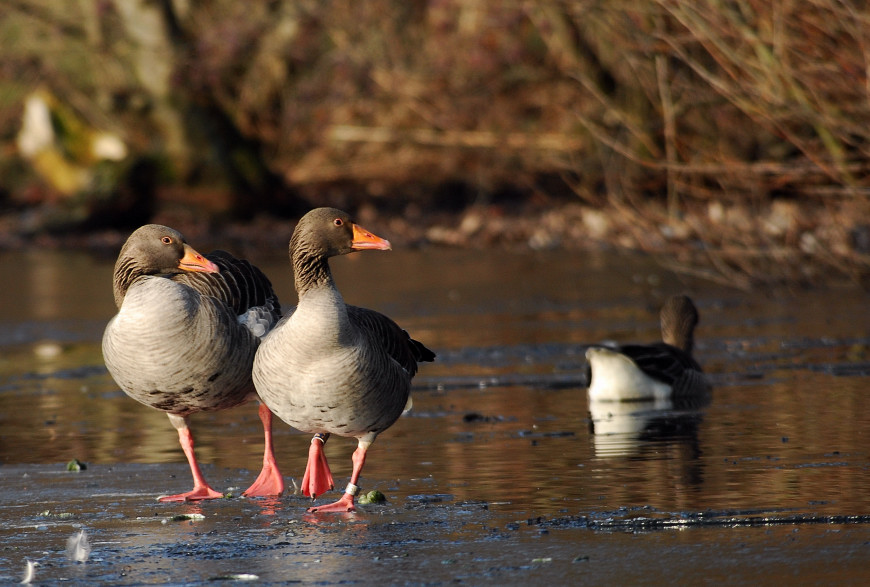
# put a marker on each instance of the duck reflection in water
(626, 428)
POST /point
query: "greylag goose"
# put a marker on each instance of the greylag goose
(330, 368)
(650, 371)
(185, 335)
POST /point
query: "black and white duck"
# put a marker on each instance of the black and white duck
(654, 371)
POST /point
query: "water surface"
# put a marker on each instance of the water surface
(503, 472)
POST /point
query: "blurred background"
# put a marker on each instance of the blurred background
(549, 172)
(729, 138)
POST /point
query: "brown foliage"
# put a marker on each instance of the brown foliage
(680, 101)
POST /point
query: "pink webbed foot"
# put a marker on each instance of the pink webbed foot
(201, 489)
(195, 494)
(318, 478)
(345, 504)
(270, 482)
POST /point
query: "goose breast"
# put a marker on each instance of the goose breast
(175, 350)
(342, 384)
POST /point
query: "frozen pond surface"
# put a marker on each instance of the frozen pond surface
(502, 473)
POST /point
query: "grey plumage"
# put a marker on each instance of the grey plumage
(331, 368)
(185, 336)
(177, 343)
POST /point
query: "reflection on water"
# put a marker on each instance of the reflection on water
(502, 415)
(630, 428)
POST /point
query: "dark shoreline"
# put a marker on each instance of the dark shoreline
(783, 243)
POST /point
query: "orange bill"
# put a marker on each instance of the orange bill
(193, 261)
(363, 239)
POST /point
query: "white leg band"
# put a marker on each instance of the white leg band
(352, 489)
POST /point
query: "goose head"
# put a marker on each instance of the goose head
(679, 317)
(323, 233)
(156, 250)
(328, 232)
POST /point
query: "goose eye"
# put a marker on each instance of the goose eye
(166, 240)
(338, 222)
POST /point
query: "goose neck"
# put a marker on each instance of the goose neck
(126, 272)
(311, 273)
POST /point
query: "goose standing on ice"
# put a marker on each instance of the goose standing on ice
(330, 368)
(651, 371)
(185, 335)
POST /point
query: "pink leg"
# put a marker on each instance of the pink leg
(345, 504)
(318, 477)
(201, 488)
(270, 481)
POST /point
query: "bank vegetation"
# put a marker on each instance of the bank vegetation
(728, 137)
